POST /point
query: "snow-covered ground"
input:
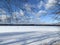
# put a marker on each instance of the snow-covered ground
(29, 38)
(29, 35)
(28, 28)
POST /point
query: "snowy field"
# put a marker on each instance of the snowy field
(29, 35)
(30, 38)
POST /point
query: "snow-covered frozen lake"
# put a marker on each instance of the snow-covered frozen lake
(29, 35)
(28, 28)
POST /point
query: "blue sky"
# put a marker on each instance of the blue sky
(30, 11)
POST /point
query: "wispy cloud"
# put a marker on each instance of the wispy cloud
(29, 9)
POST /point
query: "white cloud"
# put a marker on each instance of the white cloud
(21, 13)
(58, 2)
(18, 13)
(29, 10)
(50, 3)
(3, 14)
(41, 12)
(40, 4)
(14, 14)
(3, 17)
(28, 7)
